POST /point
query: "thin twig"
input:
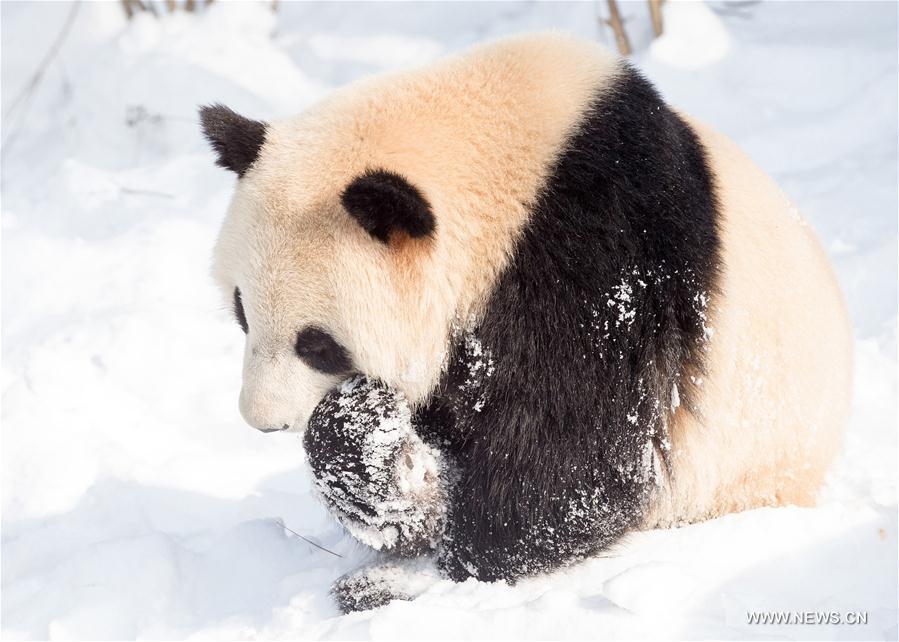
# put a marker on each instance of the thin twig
(48, 58)
(131, 191)
(27, 92)
(306, 539)
(133, 7)
(655, 10)
(614, 21)
(146, 6)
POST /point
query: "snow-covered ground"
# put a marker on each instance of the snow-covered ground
(136, 503)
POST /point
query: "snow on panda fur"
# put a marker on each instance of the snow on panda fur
(579, 312)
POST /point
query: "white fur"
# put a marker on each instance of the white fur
(774, 405)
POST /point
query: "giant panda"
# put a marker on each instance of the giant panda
(521, 307)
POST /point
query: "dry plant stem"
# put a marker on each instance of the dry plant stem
(614, 21)
(655, 10)
(133, 6)
(23, 99)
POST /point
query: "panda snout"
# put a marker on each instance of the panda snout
(267, 426)
(284, 427)
(263, 417)
(262, 425)
(278, 394)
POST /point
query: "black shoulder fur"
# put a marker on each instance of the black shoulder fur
(556, 403)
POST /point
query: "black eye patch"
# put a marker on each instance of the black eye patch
(239, 313)
(319, 350)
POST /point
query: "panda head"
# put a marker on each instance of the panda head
(321, 258)
(366, 231)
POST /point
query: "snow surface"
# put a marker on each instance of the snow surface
(693, 36)
(135, 501)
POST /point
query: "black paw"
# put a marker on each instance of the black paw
(374, 472)
(378, 584)
(361, 593)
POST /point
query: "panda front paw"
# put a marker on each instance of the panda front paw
(360, 593)
(379, 584)
(378, 477)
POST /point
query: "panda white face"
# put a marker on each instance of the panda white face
(281, 298)
(319, 277)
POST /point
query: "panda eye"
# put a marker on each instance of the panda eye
(239, 313)
(319, 350)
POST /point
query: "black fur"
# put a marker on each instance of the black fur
(319, 350)
(384, 202)
(239, 312)
(335, 441)
(359, 592)
(555, 405)
(236, 140)
(362, 447)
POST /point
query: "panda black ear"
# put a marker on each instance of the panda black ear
(236, 140)
(383, 202)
